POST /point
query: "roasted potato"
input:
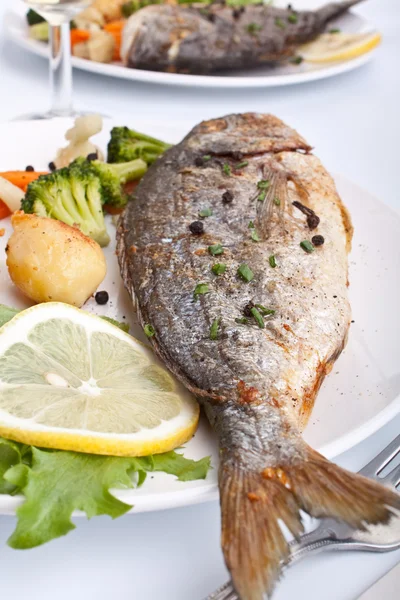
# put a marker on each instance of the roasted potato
(51, 261)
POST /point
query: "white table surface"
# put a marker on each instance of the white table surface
(353, 120)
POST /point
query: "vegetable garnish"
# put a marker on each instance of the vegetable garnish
(251, 225)
(86, 484)
(335, 30)
(277, 202)
(261, 196)
(214, 329)
(318, 240)
(293, 18)
(279, 23)
(201, 288)
(245, 272)
(226, 169)
(215, 249)
(218, 268)
(265, 311)
(307, 246)
(296, 60)
(253, 28)
(272, 261)
(242, 320)
(257, 316)
(263, 184)
(206, 157)
(205, 212)
(254, 236)
(242, 164)
(149, 330)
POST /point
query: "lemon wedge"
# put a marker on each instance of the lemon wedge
(339, 46)
(71, 381)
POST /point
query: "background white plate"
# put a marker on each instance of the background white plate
(16, 28)
(359, 396)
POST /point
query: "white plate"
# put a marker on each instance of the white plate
(16, 27)
(362, 392)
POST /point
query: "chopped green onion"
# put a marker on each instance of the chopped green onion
(201, 288)
(257, 315)
(277, 202)
(334, 31)
(149, 330)
(254, 236)
(245, 272)
(214, 329)
(252, 28)
(262, 195)
(242, 321)
(241, 165)
(293, 18)
(265, 311)
(296, 60)
(263, 184)
(279, 23)
(205, 212)
(251, 225)
(207, 157)
(215, 249)
(307, 246)
(272, 261)
(226, 169)
(218, 268)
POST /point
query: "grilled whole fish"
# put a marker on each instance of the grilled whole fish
(203, 39)
(253, 337)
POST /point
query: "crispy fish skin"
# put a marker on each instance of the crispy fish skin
(257, 385)
(204, 39)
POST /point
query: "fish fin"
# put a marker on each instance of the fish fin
(254, 504)
(271, 201)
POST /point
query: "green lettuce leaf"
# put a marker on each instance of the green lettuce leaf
(60, 482)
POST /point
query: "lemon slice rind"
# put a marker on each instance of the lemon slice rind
(163, 437)
(337, 47)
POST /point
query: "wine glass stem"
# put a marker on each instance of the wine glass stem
(60, 70)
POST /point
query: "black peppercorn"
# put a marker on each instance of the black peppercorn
(318, 240)
(52, 166)
(227, 197)
(29, 168)
(247, 309)
(101, 297)
(92, 156)
(197, 227)
(198, 161)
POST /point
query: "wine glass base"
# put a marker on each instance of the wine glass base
(55, 115)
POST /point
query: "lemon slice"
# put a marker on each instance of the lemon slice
(330, 47)
(70, 380)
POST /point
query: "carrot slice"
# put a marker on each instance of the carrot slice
(21, 178)
(115, 29)
(78, 36)
(4, 210)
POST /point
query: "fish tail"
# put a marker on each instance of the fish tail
(335, 9)
(253, 504)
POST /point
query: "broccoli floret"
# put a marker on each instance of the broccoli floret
(33, 17)
(114, 176)
(126, 145)
(73, 195)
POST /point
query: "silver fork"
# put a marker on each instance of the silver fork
(335, 535)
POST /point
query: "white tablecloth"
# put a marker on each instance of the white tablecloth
(174, 555)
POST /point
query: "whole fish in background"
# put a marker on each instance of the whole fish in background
(250, 315)
(207, 38)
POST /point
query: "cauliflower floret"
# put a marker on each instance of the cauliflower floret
(79, 140)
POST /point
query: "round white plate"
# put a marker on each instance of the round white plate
(16, 27)
(359, 396)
